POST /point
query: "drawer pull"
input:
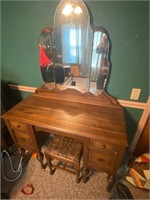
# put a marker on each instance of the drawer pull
(116, 153)
(100, 160)
(20, 126)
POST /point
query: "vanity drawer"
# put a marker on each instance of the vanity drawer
(23, 139)
(102, 146)
(101, 161)
(19, 126)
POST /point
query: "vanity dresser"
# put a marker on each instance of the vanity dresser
(85, 113)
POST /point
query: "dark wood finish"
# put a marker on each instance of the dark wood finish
(75, 94)
(98, 121)
(67, 151)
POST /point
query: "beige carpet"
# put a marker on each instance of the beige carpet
(61, 185)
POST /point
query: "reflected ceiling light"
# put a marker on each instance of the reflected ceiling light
(67, 9)
(78, 10)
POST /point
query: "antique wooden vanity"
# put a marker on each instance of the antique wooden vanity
(85, 113)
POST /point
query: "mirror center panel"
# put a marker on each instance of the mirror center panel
(74, 53)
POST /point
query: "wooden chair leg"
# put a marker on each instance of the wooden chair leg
(52, 171)
(78, 177)
(58, 150)
(77, 168)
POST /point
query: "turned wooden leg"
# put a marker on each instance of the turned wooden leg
(40, 157)
(52, 171)
(85, 172)
(49, 162)
(77, 169)
(111, 181)
(78, 176)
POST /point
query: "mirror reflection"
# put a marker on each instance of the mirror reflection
(100, 60)
(73, 53)
(72, 37)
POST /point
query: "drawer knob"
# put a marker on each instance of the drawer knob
(18, 126)
(100, 160)
(116, 153)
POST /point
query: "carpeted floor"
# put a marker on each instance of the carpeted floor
(60, 186)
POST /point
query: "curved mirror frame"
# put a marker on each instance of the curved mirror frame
(100, 59)
(74, 46)
(78, 51)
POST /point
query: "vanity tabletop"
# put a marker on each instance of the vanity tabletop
(77, 118)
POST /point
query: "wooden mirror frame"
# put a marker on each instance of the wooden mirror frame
(55, 82)
(103, 62)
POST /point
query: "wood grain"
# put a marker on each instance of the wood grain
(96, 120)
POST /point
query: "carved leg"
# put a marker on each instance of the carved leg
(111, 181)
(52, 171)
(85, 172)
(40, 157)
(77, 168)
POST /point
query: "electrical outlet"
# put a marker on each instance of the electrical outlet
(135, 94)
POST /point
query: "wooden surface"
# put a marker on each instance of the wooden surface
(97, 121)
(85, 120)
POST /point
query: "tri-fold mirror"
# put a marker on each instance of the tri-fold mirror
(74, 52)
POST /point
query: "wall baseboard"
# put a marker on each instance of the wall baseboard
(22, 88)
(124, 103)
(132, 104)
